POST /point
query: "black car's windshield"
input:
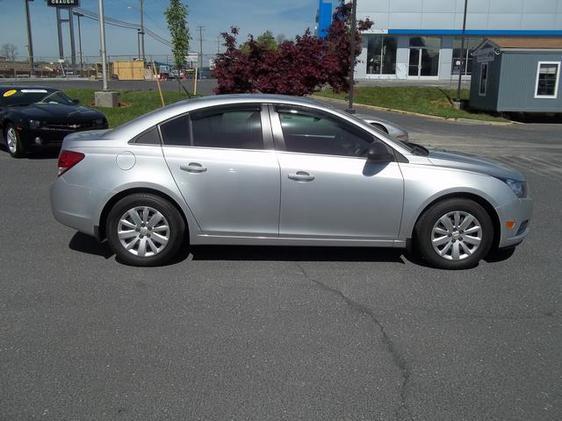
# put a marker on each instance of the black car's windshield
(27, 96)
(57, 97)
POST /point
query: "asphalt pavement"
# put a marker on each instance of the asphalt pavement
(283, 333)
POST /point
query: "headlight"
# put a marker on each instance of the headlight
(34, 124)
(518, 187)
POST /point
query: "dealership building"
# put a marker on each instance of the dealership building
(421, 39)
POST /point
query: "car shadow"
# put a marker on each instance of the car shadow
(297, 253)
(89, 245)
(86, 244)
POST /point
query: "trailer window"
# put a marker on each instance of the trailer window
(483, 79)
(548, 75)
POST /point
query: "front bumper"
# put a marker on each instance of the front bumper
(518, 211)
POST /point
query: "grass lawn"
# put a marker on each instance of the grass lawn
(424, 100)
(136, 103)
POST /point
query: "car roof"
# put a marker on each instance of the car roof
(138, 125)
(7, 87)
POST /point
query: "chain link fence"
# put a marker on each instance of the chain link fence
(122, 67)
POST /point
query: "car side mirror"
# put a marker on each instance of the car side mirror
(379, 153)
(76, 101)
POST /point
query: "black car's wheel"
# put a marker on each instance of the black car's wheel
(454, 234)
(145, 230)
(13, 141)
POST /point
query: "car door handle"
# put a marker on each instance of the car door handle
(193, 167)
(301, 176)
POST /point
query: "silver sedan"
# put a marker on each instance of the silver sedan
(386, 126)
(277, 170)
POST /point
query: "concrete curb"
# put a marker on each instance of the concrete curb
(434, 117)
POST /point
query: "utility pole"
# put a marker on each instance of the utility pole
(59, 32)
(218, 44)
(29, 37)
(352, 56)
(81, 55)
(102, 45)
(142, 27)
(138, 44)
(200, 50)
(463, 54)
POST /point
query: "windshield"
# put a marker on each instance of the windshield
(57, 97)
(26, 96)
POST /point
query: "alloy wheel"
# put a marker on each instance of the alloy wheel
(456, 235)
(143, 231)
(12, 140)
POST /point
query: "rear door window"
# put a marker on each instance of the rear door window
(176, 131)
(237, 127)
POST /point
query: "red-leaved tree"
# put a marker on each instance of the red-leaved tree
(295, 67)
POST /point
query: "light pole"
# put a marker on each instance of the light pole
(102, 45)
(29, 37)
(352, 56)
(461, 67)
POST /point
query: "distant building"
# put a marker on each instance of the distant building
(517, 75)
(414, 39)
(323, 18)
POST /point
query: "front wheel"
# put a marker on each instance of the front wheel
(13, 141)
(145, 230)
(454, 234)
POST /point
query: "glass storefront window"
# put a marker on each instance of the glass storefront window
(469, 45)
(424, 56)
(381, 54)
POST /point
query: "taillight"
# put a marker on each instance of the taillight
(68, 159)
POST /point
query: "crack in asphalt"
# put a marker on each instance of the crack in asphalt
(402, 412)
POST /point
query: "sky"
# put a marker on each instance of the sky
(288, 17)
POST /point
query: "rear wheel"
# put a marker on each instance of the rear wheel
(145, 230)
(454, 234)
(13, 141)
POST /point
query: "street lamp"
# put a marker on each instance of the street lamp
(102, 45)
(352, 55)
(461, 66)
(29, 37)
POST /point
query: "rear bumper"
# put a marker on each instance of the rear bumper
(71, 206)
(519, 211)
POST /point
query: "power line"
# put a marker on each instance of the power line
(123, 24)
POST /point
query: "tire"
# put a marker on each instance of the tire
(454, 234)
(12, 141)
(148, 228)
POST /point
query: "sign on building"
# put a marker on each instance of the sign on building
(63, 3)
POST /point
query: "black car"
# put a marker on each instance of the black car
(35, 117)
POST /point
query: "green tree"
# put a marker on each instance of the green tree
(176, 16)
(267, 41)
